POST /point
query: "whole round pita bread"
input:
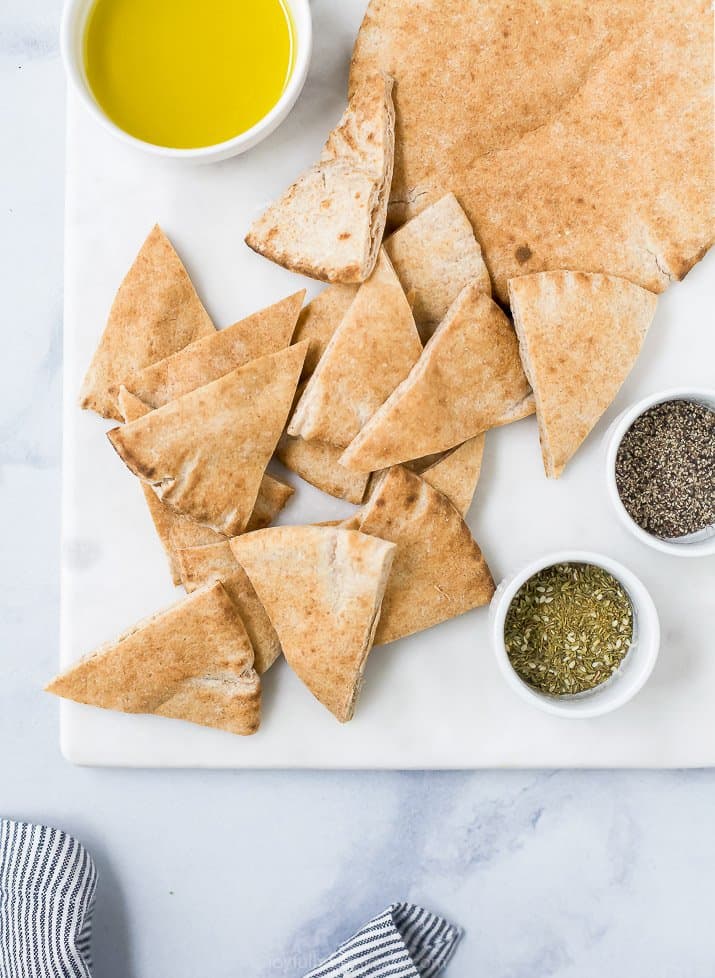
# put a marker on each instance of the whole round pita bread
(575, 135)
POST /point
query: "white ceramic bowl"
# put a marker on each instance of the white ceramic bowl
(700, 544)
(633, 672)
(74, 19)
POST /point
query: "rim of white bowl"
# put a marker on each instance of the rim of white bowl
(637, 665)
(704, 545)
(74, 16)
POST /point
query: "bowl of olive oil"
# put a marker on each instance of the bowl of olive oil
(198, 80)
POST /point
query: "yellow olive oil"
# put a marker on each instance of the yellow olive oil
(188, 73)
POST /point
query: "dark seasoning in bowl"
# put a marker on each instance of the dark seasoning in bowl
(665, 469)
(568, 629)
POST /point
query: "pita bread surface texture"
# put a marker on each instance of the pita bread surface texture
(192, 662)
(322, 588)
(205, 453)
(213, 356)
(580, 335)
(155, 313)
(176, 531)
(468, 377)
(575, 135)
(319, 465)
(438, 572)
(215, 562)
(370, 353)
(162, 516)
(456, 474)
(435, 256)
(330, 223)
(319, 320)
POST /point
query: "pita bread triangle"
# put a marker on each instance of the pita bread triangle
(330, 222)
(372, 350)
(319, 465)
(322, 588)
(474, 355)
(192, 662)
(456, 474)
(580, 334)
(319, 320)
(155, 313)
(438, 571)
(176, 531)
(213, 356)
(435, 256)
(215, 562)
(205, 453)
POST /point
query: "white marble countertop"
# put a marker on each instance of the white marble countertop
(561, 874)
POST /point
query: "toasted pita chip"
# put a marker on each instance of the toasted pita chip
(469, 376)
(439, 571)
(322, 588)
(580, 335)
(435, 256)
(155, 313)
(319, 320)
(192, 662)
(330, 223)
(456, 474)
(370, 353)
(203, 565)
(318, 464)
(213, 356)
(175, 530)
(205, 453)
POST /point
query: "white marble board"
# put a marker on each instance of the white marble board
(432, 701)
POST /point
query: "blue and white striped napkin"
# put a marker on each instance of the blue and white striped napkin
(403, 942)
(47, 888)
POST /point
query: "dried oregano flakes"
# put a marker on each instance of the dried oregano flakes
(568, 628)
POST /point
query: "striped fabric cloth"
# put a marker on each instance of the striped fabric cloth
(47, 886)
(403, 942)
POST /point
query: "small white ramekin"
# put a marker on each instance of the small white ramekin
(74, 19)
(633, 672)
(700, 544)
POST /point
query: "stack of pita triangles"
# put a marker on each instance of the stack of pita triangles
(330, 223)
(434, 257)
(580, 335)
(199, 363)
(373, 349)
(205, 454)
(191, 662)
(209, 358)
(468, 379)
(322, 587)
(176, 530)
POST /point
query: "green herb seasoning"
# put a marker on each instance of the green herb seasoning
(568, 628)
(665, 469)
